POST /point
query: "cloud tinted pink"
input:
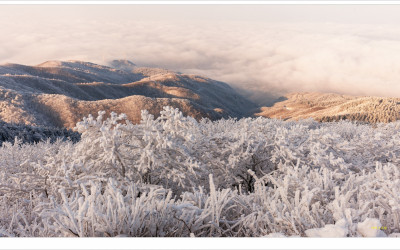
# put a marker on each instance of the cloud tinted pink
(260, 58)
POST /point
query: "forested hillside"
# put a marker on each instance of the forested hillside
(30, 134)
(334, 107)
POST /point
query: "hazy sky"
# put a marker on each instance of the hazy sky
(275, 49)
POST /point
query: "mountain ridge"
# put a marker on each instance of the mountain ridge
(327, 107)
(60, 93)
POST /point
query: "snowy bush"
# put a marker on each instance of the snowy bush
(175, 176)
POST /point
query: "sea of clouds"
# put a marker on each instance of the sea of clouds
(263, 60)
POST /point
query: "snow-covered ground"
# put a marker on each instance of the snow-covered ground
(175, 176)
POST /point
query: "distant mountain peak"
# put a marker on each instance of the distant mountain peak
(50, 64)
(122, 64)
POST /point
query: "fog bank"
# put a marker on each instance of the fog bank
(258, 57)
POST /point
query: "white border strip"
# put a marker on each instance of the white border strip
(200, 243)
(205, 2)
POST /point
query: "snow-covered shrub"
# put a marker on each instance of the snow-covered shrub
(114, 210)
(172, 151)
(175, 176)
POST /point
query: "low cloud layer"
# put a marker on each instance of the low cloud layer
(264, 60)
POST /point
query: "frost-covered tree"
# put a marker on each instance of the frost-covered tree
(175, 176)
